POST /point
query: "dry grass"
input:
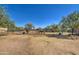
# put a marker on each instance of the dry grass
(37, 45)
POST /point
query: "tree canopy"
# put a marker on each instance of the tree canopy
(70, 21)
(5, 20)
(29, 26)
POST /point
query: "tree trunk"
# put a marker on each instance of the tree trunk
(27, 31)
(72, 31)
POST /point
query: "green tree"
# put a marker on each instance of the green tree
(70, 22)
(29, 26)
(53, 27)
(5, 20)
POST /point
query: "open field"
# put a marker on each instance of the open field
(37, 45)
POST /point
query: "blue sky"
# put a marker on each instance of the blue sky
(40, 15)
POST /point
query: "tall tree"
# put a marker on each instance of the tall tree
(5, 20)
(29, 26)
(71, 21)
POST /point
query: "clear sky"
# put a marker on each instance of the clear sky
(40, 15)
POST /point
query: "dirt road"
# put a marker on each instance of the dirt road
(37, 45)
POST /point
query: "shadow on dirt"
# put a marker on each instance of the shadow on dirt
(62, 36)
(57, 36)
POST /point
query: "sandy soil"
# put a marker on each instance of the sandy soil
(37, 45)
